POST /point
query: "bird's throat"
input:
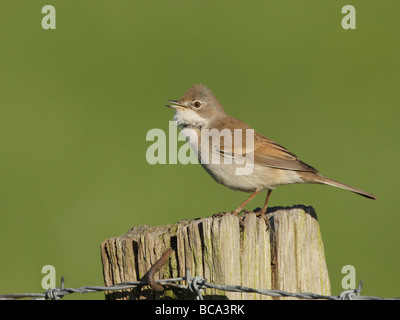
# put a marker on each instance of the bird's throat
(189, 118)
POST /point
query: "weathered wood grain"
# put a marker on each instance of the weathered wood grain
(287, 254)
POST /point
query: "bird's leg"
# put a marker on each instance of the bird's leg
(264, 209)
(238, 209)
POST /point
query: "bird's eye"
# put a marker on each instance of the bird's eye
(197, 104)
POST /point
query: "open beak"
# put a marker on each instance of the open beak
(174, 104)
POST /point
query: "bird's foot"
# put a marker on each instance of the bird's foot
(262, 215)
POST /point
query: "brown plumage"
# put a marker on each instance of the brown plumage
(274, 165)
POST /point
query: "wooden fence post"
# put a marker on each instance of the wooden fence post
(285, 254)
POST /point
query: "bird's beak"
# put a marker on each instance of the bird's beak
(174, 104)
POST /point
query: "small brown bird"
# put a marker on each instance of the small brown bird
(198, 112)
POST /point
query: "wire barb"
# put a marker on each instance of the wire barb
(195, 285)
(54, 294)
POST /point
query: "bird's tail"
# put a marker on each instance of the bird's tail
(324, 180)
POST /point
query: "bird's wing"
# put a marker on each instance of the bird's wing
(270, 154)
(264, 151)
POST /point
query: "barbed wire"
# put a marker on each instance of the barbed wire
(195, 284)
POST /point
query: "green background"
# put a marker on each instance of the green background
(77, 102)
